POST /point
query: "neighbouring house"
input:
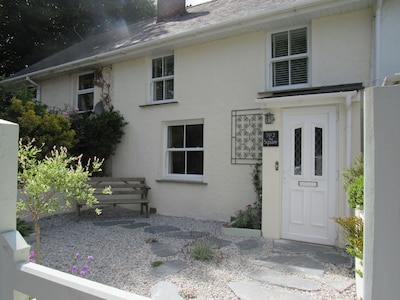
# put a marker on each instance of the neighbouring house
(211, 89)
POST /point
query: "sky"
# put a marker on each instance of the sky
(195, 2)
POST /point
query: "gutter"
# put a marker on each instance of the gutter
(37, 87)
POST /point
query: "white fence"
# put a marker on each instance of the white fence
(19, 277)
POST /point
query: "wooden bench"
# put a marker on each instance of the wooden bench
(124, 190)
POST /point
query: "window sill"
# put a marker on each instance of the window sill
(158, 103)
(182, 181)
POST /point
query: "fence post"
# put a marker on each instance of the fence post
(13, 247)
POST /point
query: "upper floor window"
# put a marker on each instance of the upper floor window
(163, 78)
(85, 91)
(289, 59)
(184, 150)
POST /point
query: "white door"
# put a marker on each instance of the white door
(309, 174)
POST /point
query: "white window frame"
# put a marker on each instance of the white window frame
(181, 177)
(84, 91)
(288, 58)
(163, 78)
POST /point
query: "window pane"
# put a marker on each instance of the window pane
(158, 92)
(157, 68)
(195, 162)
(298, 41)
(85, 101)
(297, 151)
(169, 89)
(177, 162)
(299, 71)
(194, 136)
(86, 81)
(175, 136)
(169, 65)
(280, 44)
(318, 152)
(280, 73)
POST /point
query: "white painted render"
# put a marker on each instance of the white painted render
(211, 80)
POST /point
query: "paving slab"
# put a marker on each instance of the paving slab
(161, 229)
(284, 280)
(186, 234)
(219, 243)
(248, 290)
(250, 245)
(334, 258)
(163, 250)
(112, 223)
(285, 246)
(338, 284)
(299, 264)
(168, 268)
(165, 290)
(136, 225)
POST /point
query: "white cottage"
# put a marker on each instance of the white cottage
(242, 80)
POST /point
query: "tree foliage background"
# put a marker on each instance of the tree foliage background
(34, 29)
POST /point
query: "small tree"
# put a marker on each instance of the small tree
(40, 180)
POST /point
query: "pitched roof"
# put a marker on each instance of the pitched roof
(205, 22)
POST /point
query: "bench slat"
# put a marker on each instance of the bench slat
(125, 190)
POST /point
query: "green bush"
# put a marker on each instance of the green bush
(353, 231)
(97, 135)
(24, 228)
(355, 192)
(356, 170)
(36, 122)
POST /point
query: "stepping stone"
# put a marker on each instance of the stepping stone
(219, 243)
(163, 250)
(334, 258)
(112, 223)
(250, 245)
(285, 281)
(284, 246)
(294, 264)
(165, 290)
(186, 234)
(161, 228)
(338, 284)
(136, 225)
(168, 268)
(246, 290)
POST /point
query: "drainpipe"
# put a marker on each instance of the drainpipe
(349, 128)
(377, 70)
(36, 85)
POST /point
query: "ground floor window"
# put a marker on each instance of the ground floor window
(184, 149)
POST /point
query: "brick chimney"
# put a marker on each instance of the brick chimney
(170, 8)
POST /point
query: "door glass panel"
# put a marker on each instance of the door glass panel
(318, 152)
(297, 151)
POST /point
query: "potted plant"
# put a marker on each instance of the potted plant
(352, 227)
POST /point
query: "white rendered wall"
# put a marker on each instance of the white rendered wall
(341, 48)
(382, 202)
(211, 80)
(390, 38)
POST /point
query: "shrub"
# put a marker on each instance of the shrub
(202, 250)
(97, 135)
(353, 231)
(24, 228)
(355, 170)
(36, 122)
(248, 218)
(355, 192)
